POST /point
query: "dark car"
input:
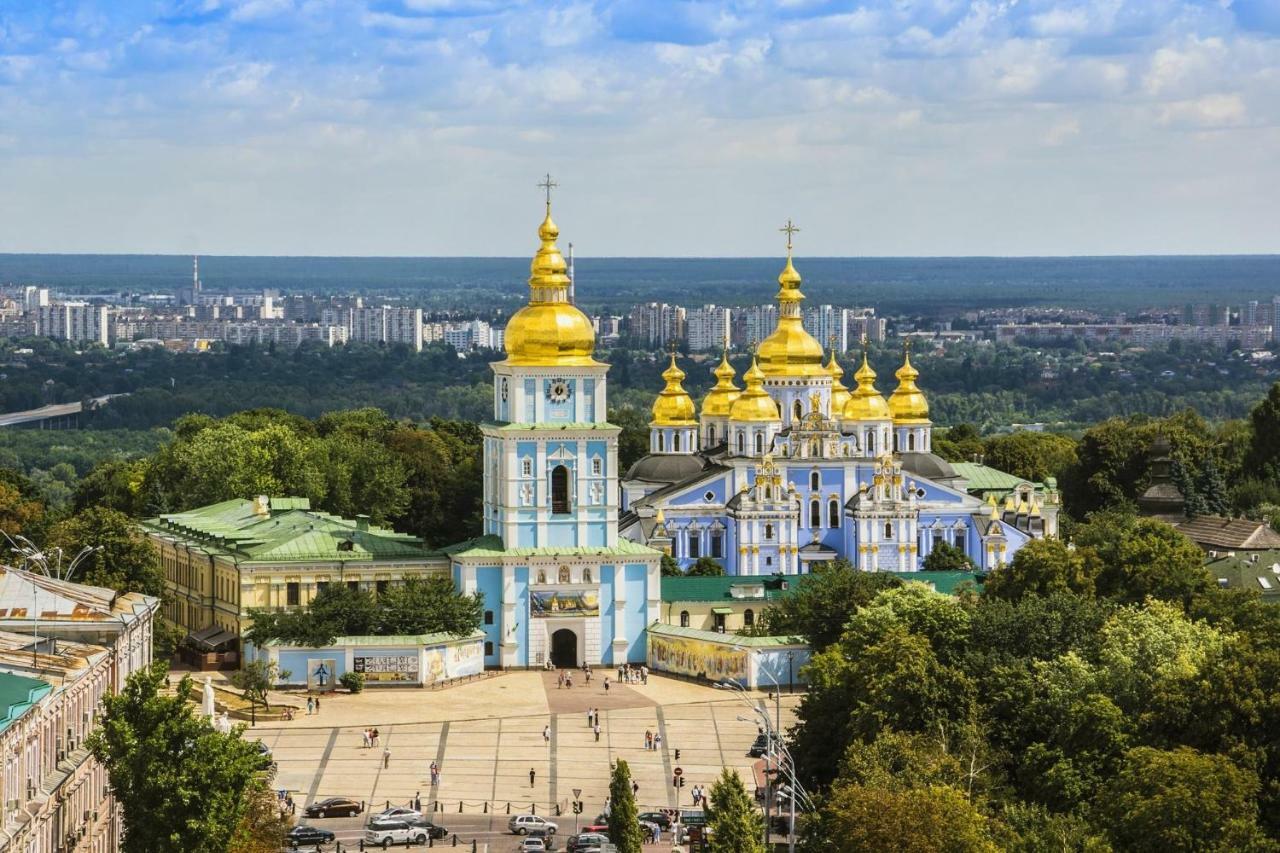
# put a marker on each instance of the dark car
(333, 807)
(659, 818)
(433, 830)
(759, 747)
(308, 835)
(548, 838)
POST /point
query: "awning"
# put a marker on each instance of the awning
(211, 639)
(722, 611)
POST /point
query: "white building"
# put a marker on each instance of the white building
(708, 328)
(74, 321)
(827, 323)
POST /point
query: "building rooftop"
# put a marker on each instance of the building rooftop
(1256, 570)
(27, 597)
(984, 478)
(1213, 532)
(943, 582)
(664, 630)
(400, 639)
(284, 530)
(728, 588)
(491, 546)
(17, 694)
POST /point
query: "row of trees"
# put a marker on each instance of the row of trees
(1106, 695)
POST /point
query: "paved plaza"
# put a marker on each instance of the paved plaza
(486, 736)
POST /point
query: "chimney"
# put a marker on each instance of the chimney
(362, 522)
(262, 505)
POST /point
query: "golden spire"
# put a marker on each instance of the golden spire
(866, 403)
(754, 404)
(840, 395)
(991, 502)
(549, 331)
(907, 401)
(790, 350)
(674, 406)
(721, 396)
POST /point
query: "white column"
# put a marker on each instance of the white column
(510, 642)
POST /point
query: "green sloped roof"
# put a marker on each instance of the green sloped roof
(491, 546)
(553, 427)
(944, 582)
(1242, 572)
(719, 588)
(663, 630)
(290, 532)
(399, 640)
(984, 478)
(17, 694)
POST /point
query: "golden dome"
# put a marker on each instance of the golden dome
(790, 350)
(754, 404)
(674, 406)
(721, 396)
(549, 331)
(907, 401)
(865, 403)
(840, 395)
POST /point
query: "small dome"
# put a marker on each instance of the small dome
(865, 402)
(666, 468)
(721, 396)
(754, 404)
(907, 403)
(840, 395)
(789, 350)
(674, 406)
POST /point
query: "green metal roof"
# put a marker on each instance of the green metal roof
(551, 427)
(1243, 572)
(491, 546)
(664, 630)
(17, 694)
(289, 532)
(401, 639)
(719, 588)
(944, 582)
(983, 478)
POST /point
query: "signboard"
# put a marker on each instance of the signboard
(698, 658)
(552, 603)
(387, 668)
(322, 674)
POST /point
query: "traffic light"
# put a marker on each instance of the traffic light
(681, 782)
(577, 806)
(677, 755)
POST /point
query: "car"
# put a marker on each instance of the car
(399, 813)
(434, 830)
(548, 839)
(601, 826)
(384, 833)
(333, 807)
(660, 818)
(520, 824)
(532, 845)
(308, 835)
(759, 747)
(586, 841)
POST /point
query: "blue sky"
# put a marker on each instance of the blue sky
(419, 127)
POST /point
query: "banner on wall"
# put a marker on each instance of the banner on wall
(697, 658)
(550, 603)
(322, 674)
(387, 668)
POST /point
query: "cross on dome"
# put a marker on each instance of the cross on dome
(548, 184)
(789, 229)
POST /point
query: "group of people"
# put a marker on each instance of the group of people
(370, 738)
(652, 740)
(313, 705)
(593, 721)
(632, 674)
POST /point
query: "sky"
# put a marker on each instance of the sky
(421, 127)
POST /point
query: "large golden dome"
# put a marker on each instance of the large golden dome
(674, 406)
(907, 403)
(721, 396)
(754, 404)
(790, 350)
(549, 330)
(840, 395)
(866, 403)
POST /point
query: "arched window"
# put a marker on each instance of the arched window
(871, 444)
(833, 513)
(799, 410)
(815, 513)
(895, 442)
(768, 531)
(662, 443)
(742, 443)
(684, 618)
(675, 442)
(759, 442)
(711, 435)
(564, 574)
(586, 576)
(815, 481)
(888, 530)
(768, 493)
(560, 490)
(911, 441)
(748, 617)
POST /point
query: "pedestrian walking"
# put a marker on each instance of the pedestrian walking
(311, 705)
(386, 758)
(590, 713)
(560, 681)
(596, 729)
(648, 739)
(657, 741)
(532, 775)
(317, 704)
(568, 679)
(366, 738)
(635, 788)
(417, 801)
(546, 734)
(644, 674)
(606, 686)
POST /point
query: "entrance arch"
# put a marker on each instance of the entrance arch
(564, 649)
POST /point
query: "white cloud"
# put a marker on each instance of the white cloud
(1208, 112)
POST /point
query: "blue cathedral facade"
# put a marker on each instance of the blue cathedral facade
(790, 469)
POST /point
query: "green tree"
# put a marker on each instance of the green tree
(706, 567)
(1135, 558)
(427, 606)
(945, 557)
(960, 443)
(1041, 567)
(624, 818)
(670, 568)
(1263, 455)
(262, 828)
(1034, 456)
(335, 611)
(821, 602)
(736, 826)
(633, 442)
(115, 484)
(936, 819)
(124, 559)
(181, 785)
(256, 678)
(1169, 801)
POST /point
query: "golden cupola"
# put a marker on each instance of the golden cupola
(549, 331)
(674, 406)
(865, 402)
(840, 395)
(907, 403)
(754, 404)
(790, 350)
(721, 396)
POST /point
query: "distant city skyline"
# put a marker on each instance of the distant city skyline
(421, 127)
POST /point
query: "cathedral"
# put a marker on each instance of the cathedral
(765, 479)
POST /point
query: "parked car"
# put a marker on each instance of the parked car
(333, 807)
(520, 824)
(660, 818)
(532, 845)
(587, 841)
(759, 747)
(302, 835)
(399, 813)
(598, 825)
(548, 839)
(434, 830)
(388, 832)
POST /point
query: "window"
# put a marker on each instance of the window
(742, 444)
(321, 586)
(346, 545)
(695, 544)
(717, 544)
(564, 574)
(684, 618)
(526, 467)
(709, 496)
(871, 444)
(759, 442)
(815, 513)
(488, 648)
(662, 443)
(560, 490)
(768, 531)
(815, 481)
(895, 442)
(488, 617)
(911, 441)
(748, 617)
(833, 513)
(720, 622)
(381, 586)
(711, 435)
(354, 586)
(675, 442)
(768, 561)
(293, 594)
(888, 530)
(798, 410)
(586, 576)
(597, 467)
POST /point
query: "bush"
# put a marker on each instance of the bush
(353, 681)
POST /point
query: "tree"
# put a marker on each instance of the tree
(181, 784)
(21, 513)
(262, 828)
(335, 611)
(1169, 801)
(427, 606)
(670, 568)
(633, 442)
(736, 826)
(116, 484)
(961, 443)
(624, 818)
(1034, 456)
(1263, 455)
(255, 678)
(934, 819)
(947, 558)
(1135, 558)
(1041, 567)
(821, 602)
(706, 567)
(124, 559)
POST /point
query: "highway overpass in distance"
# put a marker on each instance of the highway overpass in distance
(55, 416)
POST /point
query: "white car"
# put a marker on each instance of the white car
(384, 833)
(520, 824)
(399, 813)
